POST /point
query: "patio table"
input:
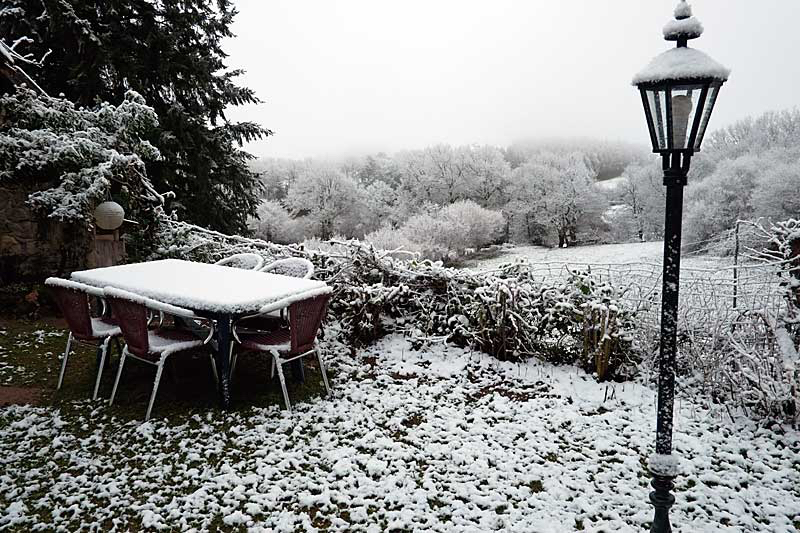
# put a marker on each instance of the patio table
(218, 292)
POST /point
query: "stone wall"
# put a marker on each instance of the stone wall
(31, 249)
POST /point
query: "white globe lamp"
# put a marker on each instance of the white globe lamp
(109, 215)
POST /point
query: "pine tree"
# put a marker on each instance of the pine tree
(170, 52)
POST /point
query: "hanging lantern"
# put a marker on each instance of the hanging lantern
(109, 215)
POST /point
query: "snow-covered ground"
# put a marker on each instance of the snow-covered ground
(644, 252)
(438, 440)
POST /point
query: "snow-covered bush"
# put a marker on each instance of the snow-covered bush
(448, 232)
(483, 226)
(751, 363)
(75, 154)
(784, 245)
(392, 240)
(510, 315)
(434, 237)
(275, 224)
(590, 324)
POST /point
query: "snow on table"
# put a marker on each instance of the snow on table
(203, 286)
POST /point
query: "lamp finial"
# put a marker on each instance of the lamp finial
(684, 27)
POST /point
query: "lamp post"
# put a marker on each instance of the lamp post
(679, 89)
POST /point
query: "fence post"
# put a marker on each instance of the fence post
(736, 264)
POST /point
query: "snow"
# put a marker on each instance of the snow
(690, 27)
(602, 254)
(683, 10)
(204, 287)
(611, 184)
(786, 348)
(68, 284)
(664, 465)
(168, 345)
(440, 440)
(681, 64)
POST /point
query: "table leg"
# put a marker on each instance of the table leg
(223, 334)
(298, 374)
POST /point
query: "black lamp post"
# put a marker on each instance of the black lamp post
(679, 88)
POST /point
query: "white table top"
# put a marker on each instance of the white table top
(203, 286)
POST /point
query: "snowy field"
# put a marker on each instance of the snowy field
(644, 252)
(441, 440)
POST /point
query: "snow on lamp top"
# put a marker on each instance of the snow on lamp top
(681, 63)
(684, 25)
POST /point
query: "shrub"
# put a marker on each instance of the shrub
(275, 224)
(584, 322)
(483, 226)
(393, 240)
(448, 232)
(433, 237)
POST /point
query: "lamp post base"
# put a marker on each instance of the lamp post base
(662, 499)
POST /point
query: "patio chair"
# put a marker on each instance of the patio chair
(72, 299)
(152, 346)
(296, 267)
(289, 344)
(245, 261)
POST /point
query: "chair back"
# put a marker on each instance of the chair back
(296, 267)
(246, 261)
(132, 319)
(74, 305)
(305, 318)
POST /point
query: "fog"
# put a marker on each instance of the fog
(350, 77)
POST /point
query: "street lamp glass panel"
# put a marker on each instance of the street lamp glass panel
(657, 119)
(687, 101)
(678, 113)
(708, 107)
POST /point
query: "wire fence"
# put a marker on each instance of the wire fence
(715, 303)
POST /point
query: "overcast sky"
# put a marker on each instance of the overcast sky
(359, 76)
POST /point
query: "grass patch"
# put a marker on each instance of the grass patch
(30, 358)
(535, 486)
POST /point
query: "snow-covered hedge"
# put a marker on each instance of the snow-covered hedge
(784, 244)
(754, 365)
(508, 315)
(581, 320)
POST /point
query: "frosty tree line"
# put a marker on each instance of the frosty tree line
(443, 200)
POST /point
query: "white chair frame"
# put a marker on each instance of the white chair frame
(162, 308)
(106, 339)
(278, 361)
(309, 266)
(246, 256)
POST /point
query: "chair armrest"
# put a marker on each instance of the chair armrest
(155, 305)
(151, 316)
(286, 302)
(211, 329)
(235, 323)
